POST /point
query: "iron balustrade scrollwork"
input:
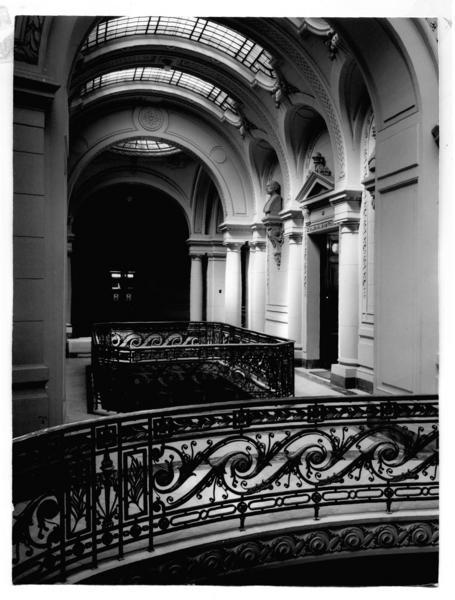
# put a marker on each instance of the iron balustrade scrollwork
(98, 490)
(142, 365)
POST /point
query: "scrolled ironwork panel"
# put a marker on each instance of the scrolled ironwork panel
(92, 491)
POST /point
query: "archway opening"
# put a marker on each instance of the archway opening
(130, 258)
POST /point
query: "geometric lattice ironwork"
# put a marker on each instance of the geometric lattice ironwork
(144, 365)
(98, 490)
(198, 30)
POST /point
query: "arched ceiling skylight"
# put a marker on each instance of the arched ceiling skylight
(196, 29)
(144, 147)
(163, 76)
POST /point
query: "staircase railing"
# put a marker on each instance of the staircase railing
(99, 490)
(137, 366)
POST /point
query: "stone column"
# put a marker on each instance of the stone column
(294, 287)
(233, 284)
(257, 285)
(348, 305)
(196, 288)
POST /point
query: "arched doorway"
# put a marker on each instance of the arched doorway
(130, 258)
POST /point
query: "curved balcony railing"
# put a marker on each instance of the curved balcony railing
(138, 366)
(100, 490)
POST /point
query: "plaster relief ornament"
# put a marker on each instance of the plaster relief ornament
(274, 202)
(151, 118)
(273, 226)
(218, 154)
(275, 235)
(333, 44)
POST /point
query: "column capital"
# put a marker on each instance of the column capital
(196, 251)
(217, 252)
(258, 245)
(232, 246)
(294, 237)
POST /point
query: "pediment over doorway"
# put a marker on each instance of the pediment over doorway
(315, 185)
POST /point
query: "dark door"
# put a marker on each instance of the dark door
(328, 244)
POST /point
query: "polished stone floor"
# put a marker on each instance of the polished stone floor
(306, 384)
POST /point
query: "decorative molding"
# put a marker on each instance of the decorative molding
(218, 154)
(293, 52)
(305, 259)
(433, 23)
(364, 249)
(274, 231)
(28, 39)
(283, 89)
(282, 548)
(152, 118)
(321, 226)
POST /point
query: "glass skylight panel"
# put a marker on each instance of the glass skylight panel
(144, 147)
(199, 30)
(163, 76)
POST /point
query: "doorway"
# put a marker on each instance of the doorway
(328, 340)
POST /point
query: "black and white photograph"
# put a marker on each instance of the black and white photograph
(225, 273)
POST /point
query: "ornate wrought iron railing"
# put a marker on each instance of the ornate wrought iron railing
(96, 491)
(137, 366)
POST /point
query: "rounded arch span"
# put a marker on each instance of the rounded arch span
(145, 177)
(228, 171)
(389, 70)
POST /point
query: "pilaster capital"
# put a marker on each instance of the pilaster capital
(346, 207)
(349, 226)
(293, 215)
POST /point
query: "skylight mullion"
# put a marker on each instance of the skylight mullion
(158, 75)
(196, 29)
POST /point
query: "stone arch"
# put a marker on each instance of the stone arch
(143, 177)
(202, 201)
(214, 150)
